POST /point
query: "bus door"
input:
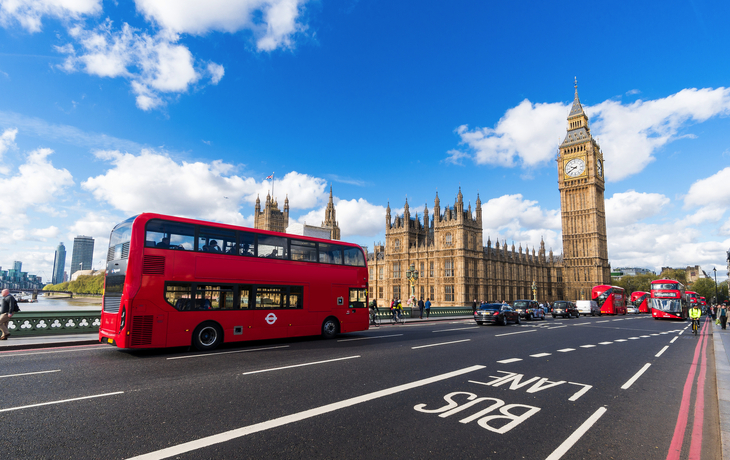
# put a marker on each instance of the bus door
(350, 307)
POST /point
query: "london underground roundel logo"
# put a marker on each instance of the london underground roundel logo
(271, 318)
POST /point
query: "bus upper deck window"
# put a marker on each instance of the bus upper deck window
(170, 235)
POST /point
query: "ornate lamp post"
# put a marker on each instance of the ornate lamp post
(717, 299)
(412, 275)
(534, 291)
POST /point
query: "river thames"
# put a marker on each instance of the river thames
(62, 303)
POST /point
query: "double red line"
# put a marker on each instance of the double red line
(695, 448)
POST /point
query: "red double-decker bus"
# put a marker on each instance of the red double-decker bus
(703, 302)
(692, 299)
(668, 299)
(610, 299)
(641, 300)
(174, 282)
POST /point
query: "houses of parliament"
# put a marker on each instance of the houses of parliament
(445, 244)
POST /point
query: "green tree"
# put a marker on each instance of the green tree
(704, 287)
(633, 283)
(674, 274)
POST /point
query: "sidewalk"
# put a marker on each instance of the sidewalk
(66, 340)
(721, 341)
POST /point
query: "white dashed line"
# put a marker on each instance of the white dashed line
(604, 321)
(645, 336)
(633, 338)
(458, 329)
(577, 434)
(636, 376)
(565, 350)
(605, 343)
(620, 340)
(556, 327)
(368, 338)
(587, 346)
(620, 319)
(437, 344)
(540, 355)
(663, 350)
(512, 333)
(510, 360)
(673, 340)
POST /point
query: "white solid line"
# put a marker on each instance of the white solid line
(59, 402)
(605, 343)
(10, 354)
(458, 329)
(512, 333)
(604, 321)
(565, 350)
(300, 365)
(620, 340)
(577, 434)
(29, 373)
(587, 346)
(227, 352)
(672, 341)
(556, 327)
(442, 343)
(540, 355)
(660, 353)
(287, 419)
(510, 360)
(636, 376)
(367, 338)
(581, 324)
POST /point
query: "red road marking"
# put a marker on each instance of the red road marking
(675, 448)
(695, 447)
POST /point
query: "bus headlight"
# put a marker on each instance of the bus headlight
(123, 321)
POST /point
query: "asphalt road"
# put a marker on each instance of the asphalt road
(596, 387)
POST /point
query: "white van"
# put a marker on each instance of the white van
(588, 307)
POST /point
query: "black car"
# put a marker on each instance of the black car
(528, 309)
(496, 313)
(565, 308)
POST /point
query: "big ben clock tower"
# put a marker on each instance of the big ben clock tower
(581, 183)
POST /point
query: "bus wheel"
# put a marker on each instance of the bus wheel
(207, 336)
(330, 328)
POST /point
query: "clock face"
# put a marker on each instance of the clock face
(599, 168)
(575, 167)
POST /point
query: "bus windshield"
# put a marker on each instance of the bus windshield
(665, 286)
(122, 233)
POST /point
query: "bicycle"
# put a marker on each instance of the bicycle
(397, 318)
(695, 326)
(374, 319)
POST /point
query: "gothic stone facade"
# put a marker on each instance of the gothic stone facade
(454, 266)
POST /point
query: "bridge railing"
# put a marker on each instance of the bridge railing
(385, 313)
(54, 322)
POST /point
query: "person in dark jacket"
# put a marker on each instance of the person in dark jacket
(8, 306)
(420, 308)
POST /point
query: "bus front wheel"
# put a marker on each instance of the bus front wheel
(330, 328)
(207, 336)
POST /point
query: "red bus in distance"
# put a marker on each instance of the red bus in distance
(703, 301)
(668, 299)
(176, 282)
(692, 298)
(610, 299)
(641, 300)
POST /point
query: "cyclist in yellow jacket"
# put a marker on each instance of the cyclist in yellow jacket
(695, 314)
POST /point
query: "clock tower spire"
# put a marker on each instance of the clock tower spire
(581, 183)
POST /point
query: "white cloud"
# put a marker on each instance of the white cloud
(273, 22)
(7, 141)
(356, 218)
(512, 218)
(28, 13)
(712, 192)
(631, 207)
(216, 72)
(45, 233)
(630, 135)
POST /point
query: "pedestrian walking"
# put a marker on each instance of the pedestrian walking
(420, 308)
(723, 315)
(427, 307)
(713, 308)
(474, 306)
(8, 306)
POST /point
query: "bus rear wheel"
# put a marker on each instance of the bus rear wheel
(330, 328)
(207, 336)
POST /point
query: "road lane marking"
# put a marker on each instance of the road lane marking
(512, 333)
(556, 327)
(620, 319)
(645, 336)
(636, 376)
(605, 343)
(577, 434)
(540, 355)
(660, 353)
(297, 417)
(587, 346)
(204, 355)
(29, 373)
(581, 324)
(442, 343)
(604, 321)
(620, 340)
(633, 338)
(655, 335)
(300, 365)
(510, 360)
(60, 402)
(13, 354)
(695, 446)
(581, 392)
(367, 338)
(672, 341)
(565, 350)
(458, 329)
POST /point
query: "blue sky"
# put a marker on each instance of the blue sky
(109, 109)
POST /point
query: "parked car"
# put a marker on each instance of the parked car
(588, 307)
(528, 309)
(565, 308)
(496, 313)
(632, 309)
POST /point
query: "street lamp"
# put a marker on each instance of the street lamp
(717, 299)
(412, 275)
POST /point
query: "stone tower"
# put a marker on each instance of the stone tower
(582, 183)
(271, 218)
(330, 221)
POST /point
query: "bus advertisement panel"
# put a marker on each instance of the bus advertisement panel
(668, 299)
(611, 299)
(641, 300)
(175, 282)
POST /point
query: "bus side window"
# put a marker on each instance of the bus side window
(216, 240)
(268, 297)
(304, 250)
(171, 235)
(272, 247)
(330, 253)
(244, 296)
(246, 244)
(358, 298)
(296, 297)
(179, 295)
(354, 257)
